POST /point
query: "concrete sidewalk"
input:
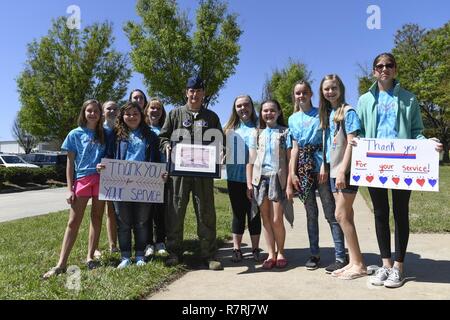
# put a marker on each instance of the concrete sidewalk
(427, 268)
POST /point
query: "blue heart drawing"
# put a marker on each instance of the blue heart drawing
(432, 182)
(383, 179)
(408, 181)
(356, 178)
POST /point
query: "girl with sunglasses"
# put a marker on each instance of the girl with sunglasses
(388, 111)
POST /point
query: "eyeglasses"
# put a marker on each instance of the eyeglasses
(380, 67)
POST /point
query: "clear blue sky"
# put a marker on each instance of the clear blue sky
(328, 36)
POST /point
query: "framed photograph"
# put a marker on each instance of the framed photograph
(194, 160)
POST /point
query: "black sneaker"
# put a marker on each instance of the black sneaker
(312, 263)
(336, 266)
(172, 260)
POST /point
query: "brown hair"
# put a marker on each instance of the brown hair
(280, 119)
(325, 105)
(152, 102)
(121, 128)
(82, 121)
(388, 55)
(234, 120)
(294, 101)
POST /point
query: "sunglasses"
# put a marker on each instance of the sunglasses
(380, 67)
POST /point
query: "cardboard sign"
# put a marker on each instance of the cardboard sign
(407, 164)
(134, 181)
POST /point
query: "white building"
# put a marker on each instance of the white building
(13, 147)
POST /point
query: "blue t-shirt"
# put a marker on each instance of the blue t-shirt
(352, 125)
(268, 163)
(88, 152)
(386, 115)
(157, 130)
(136, 146)
(305, 129)
(240, 139)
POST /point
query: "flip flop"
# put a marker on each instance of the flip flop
(281, 263)
(351, 275)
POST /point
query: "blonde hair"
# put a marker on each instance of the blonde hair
(155, 102)
(325, 105)
(234, 120)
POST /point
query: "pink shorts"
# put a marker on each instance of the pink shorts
(87, 186)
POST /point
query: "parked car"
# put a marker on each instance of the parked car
(46, 159)
(11, 160)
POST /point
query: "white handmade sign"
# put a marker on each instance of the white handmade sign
(134, 181)
(406, 164)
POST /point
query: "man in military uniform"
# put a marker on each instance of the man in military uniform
(191, 121)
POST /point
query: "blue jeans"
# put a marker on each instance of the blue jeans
(132, 216)
(312, 214)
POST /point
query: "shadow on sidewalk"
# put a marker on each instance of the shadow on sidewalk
(416, 268)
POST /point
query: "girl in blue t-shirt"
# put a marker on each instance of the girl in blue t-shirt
(343, 123)
(309, 173)
(155, 115)
(239, 130)
(134, 141)
(267, 175)
(85, 146)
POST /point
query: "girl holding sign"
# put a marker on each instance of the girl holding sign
(387, 111)
(344, 125)
(85, 146)
(309, 173)
(134, 141)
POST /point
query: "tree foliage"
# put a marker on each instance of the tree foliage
(280, 84)
(65, 68)
(167, 53)
(23, 138)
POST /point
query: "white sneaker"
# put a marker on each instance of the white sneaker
(124, 263)
(160, 249)
(140, 261)
(149, 250)
(97, 254)
(381, 275)
(395, 279)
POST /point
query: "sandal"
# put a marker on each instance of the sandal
(53, 272)
(237, 255)
(351, 275)
(269, 264)
(281, 263)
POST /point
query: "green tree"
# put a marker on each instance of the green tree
(424, 68)
(365, 79)
(279, 85)
(65, 68)
(23, 138)
(167, 53)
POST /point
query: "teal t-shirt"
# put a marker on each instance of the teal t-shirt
(157, 130)
(88, 152)
(136, 146)
(240, 139)
(386, 115)
(305, 129)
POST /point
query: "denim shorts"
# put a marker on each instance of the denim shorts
(348, 189)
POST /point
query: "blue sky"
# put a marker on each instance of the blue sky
(328, 36)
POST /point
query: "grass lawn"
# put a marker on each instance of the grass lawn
(429, 212)
(29, 247)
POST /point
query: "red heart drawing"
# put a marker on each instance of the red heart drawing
(420, 182)
(369, 178)
(396, 180)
